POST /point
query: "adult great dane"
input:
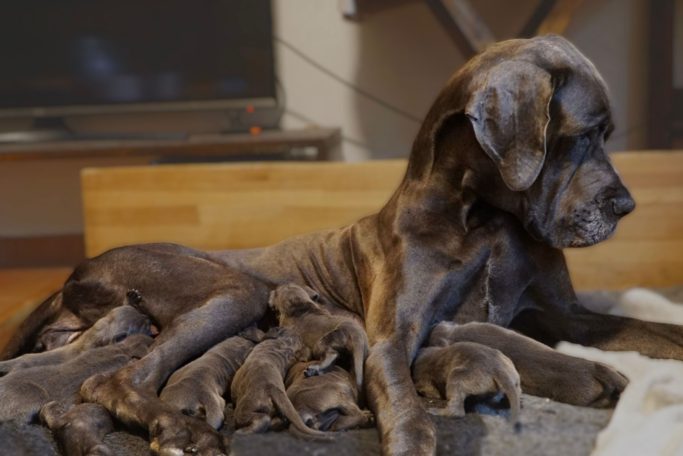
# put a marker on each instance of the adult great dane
(507, 169)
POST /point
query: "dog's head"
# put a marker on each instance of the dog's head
(292, 300)
(540, 115)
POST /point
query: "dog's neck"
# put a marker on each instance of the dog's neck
(448, 179)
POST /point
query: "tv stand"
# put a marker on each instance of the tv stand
(46, 129)
(308, 143)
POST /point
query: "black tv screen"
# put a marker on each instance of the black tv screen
(70, 53)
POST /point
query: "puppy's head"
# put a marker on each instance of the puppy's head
(292, 300)
(538, 114)
(116, 326)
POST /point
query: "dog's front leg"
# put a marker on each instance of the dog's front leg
(396, 327)
(607, 332)
(404, 425)
(558, 316)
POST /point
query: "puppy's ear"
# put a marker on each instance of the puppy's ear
(509, 111)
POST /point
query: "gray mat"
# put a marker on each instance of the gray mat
(547, 427)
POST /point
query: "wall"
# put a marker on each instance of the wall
(401, 56)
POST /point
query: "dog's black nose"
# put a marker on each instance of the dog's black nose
(622, 205)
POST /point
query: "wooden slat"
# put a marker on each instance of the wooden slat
(229, 206)
(559, 17)
(248, 205)
(463, 24)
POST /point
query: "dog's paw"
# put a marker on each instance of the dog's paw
(609, 384)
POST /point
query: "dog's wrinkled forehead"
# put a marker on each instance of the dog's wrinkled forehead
(580, 95)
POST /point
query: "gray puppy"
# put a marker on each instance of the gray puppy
(115, 326)
(325, 334)
(79, 431)
(575, 380)
(258, 389)
(328, 402)
(197, 389)
(23, 392)
(459, 370)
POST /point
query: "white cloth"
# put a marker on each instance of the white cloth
(648, 420)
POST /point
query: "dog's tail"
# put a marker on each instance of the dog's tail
(297, 425)
(25, 335)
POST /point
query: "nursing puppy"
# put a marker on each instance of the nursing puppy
(258, 389)
(464, 369)
(328, 402)
(326, 335)
(575, 380)
(197, 389)
(79, 431)
(118, 324)
(23, 392)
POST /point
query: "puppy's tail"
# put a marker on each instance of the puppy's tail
(25, 335)
(297, 425)
(360, 354)
(513, 392)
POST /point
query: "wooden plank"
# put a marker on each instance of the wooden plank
(463, 24)
(543, 8)
(559, 17)
(229, 205)
(256, 204)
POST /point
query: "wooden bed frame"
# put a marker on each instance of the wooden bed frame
(255, 204)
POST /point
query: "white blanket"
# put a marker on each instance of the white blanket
(648, 419)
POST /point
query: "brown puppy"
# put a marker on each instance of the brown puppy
(25, 391)
(463, 369)
(119, 323)
(79, 431)
(577, 381)
(197, 389)
(326, 335)
(328, 402)
(258, 389)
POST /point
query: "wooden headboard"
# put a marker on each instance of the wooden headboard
(220, 206)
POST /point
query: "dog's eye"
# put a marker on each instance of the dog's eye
(119, 337)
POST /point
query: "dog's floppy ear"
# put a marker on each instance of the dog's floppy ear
(509, 112)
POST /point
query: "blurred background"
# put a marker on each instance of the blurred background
(151, 82)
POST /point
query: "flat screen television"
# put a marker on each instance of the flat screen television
(75, 57)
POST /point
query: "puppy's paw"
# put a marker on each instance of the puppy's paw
(100, 450)
(369, 418)
(176, 434)
(311, 372)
